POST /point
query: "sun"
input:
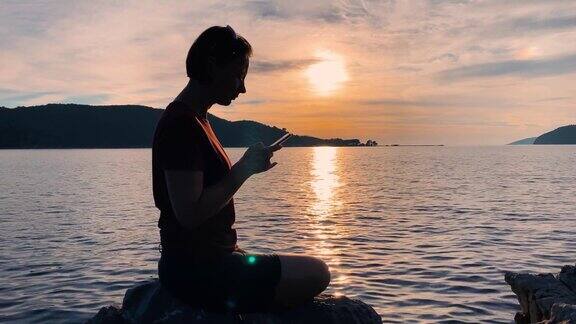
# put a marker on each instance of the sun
(327, 75)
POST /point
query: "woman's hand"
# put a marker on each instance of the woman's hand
(257, 159)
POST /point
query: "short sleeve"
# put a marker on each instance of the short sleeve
(180, 147)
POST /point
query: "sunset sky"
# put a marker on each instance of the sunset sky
(410, 72)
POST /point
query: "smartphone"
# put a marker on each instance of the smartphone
(282, 139)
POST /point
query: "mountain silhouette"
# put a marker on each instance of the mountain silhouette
(561, 135)
(526, 141)
(123, 126)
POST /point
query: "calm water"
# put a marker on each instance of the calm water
(420, 233)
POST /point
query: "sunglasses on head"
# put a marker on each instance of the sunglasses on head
(232, 31)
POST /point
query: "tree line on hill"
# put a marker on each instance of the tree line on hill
(126, 126)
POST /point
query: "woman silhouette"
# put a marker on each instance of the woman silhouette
(193, 184)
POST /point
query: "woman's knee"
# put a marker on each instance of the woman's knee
(305, 272)
(324, 274)
(320, 271)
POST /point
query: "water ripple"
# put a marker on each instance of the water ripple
(421, 234)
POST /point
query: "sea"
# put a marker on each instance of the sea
(422, 234)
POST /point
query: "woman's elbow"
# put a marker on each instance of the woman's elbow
(188, 217)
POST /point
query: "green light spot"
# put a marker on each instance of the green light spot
(251, 259)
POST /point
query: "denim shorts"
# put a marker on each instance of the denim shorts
(239, 282)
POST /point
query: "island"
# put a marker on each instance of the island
(525, 141)
(562, 135)
(565, 135)
(126, 126)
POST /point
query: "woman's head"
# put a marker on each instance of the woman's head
(219, 59)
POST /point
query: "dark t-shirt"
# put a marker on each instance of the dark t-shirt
(184, 140)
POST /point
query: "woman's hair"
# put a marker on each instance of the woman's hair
(221, 44)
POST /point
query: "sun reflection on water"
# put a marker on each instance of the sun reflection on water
(325, 181)
(324, 184)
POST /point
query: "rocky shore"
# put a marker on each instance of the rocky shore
(545, 298)
(150, 303)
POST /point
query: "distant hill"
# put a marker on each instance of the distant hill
(123, 126)
(526, 141)
(561, 135)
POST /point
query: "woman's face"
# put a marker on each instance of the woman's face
(228, 81)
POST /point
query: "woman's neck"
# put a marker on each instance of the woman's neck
(196, 97)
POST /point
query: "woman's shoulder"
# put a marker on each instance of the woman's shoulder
(178, 114)
(176, 121)
(177, 108)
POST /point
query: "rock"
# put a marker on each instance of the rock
(150, 303)
(563, 313)
(545, 298)
(109, 315)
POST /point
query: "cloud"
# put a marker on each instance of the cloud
(252, 102)
(87, 99)
(31, 19)
(403, 103)
(12, 98)
(535, 23)
(281, 65)
(437, 101)
(551, 99)
(323, 11)
(525, 68)
(447, 57)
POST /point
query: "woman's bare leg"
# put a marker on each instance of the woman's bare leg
(303, 277)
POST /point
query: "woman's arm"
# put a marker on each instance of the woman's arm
(194, 204)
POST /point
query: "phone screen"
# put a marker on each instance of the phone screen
(282, 139)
